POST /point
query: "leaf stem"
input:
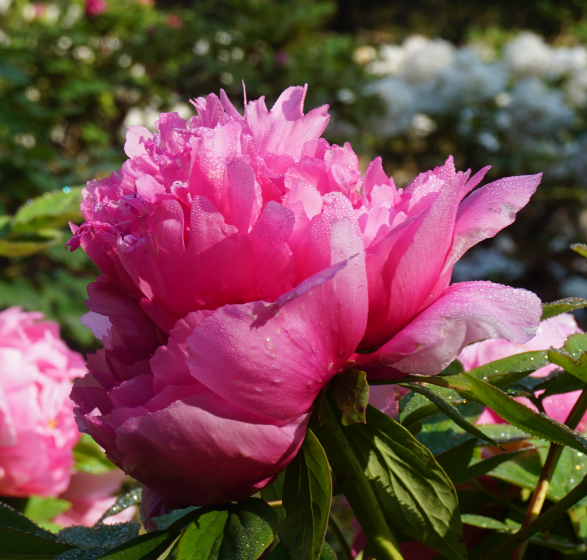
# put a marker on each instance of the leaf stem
(275, 504)
(357, 489)
(541, 491)
(342, 543)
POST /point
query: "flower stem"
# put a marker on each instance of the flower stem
(554, 453)
(356, 487)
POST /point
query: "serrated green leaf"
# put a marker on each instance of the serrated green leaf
(52, 210)
(413, 491)
(524, 418)
(307, 493)
(105, 536)
(25, 246)
(146, 547)
(505, 371)
(562, 306)
(11, 519)
(351, 392)
(450, 410)
(129, 499)
(484, 522)
(243, 530)
(16, 545)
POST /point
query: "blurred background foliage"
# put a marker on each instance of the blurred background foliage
(411, 82)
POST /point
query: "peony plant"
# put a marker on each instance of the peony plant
(255, 287)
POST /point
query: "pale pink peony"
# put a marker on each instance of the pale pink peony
(552, 333)
(413, 237)
(235, 286)
(91, 495)
(37, 429)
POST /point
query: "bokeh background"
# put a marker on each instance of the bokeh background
(503, 83)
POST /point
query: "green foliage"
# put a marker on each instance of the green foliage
(563, 305)
(307, 494)
(412, 489)
(243, 530)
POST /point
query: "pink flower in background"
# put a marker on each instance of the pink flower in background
(552, 333)
(37, 428)
(91, 495)
(95, 7)
(233, 276)
(418, 323)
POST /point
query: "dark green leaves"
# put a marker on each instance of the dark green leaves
(146, 547)
(449, 409)
(572, 356)
(413, 491)
(307, 494)
(524, 418)
(16, 545)
(351, 391)
(562, 306)
(243, 530)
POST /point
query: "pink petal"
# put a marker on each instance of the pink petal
(285, 129)
(488, 210)
(466, 313)
(134, 145)
(255, 353)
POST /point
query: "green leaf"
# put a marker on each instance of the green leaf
(89, 457)
(52, 210)
(524, 418)
(327, 552)
(351, 392)
(455, 461)
(129, 499)
(146, 547)
(26, 246)
(562, 306)
(484, 522)
(307, 493)
(106, 536)
(449, 409)
(481, 467)
(167, 520)
(572, 357)
(562, 382)
(413, 491)
(42, 510)
(15, 545)
(454, 368)
(11, 519)
(580, 248)
(243, 530)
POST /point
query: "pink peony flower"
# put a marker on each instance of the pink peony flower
(413, 237)
(37, 428)
(234, 274)
(96, 7)
(233, 252)
(552, 333)
(91, 495)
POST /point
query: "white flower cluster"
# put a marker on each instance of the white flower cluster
(530, 95)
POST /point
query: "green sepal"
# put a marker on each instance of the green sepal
(351, 392)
